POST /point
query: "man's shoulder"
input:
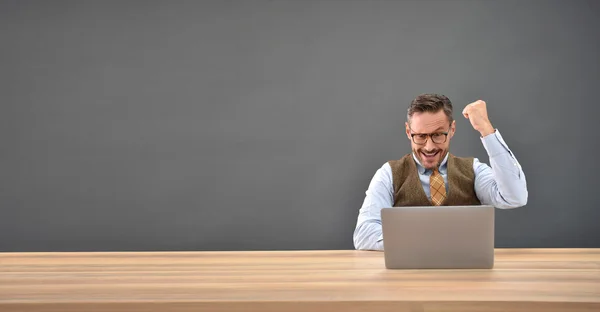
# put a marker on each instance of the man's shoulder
(466, 160)
(469, 165)
(398, 162)
(402, 167)
(461, 158)
(461, 161)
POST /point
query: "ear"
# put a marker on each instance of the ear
(452, 129)
(407, 131)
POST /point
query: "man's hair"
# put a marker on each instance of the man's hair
(431, 103)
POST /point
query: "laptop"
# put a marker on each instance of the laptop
(438, 237)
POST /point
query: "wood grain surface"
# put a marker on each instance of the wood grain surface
(521, 280)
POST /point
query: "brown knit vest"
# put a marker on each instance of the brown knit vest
(408, 190)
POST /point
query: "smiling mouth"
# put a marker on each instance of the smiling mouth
(429, 156)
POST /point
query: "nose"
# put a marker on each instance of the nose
(430, 146)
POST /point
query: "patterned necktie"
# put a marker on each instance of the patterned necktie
(437, 188)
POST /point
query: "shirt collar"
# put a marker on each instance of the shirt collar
(422, 169)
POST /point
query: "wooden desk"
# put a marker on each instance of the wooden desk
(522, 280)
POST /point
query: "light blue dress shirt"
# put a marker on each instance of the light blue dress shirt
(502, 185)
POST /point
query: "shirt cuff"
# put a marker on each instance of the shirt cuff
(495, 145)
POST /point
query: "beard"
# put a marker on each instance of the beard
(432, 158)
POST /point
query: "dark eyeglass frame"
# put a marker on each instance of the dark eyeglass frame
(430, 135)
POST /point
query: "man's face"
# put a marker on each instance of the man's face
(430, 154)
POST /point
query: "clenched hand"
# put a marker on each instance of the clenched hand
(476, 112)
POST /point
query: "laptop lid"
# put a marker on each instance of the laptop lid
(438, 237)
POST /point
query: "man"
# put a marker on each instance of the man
(430, 175)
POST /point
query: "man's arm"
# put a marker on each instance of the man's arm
(502, 185)
(368, 234)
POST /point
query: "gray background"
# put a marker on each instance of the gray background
(245, 125)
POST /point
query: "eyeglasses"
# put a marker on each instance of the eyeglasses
(437, 138)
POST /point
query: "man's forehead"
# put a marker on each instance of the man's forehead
(428, 122)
